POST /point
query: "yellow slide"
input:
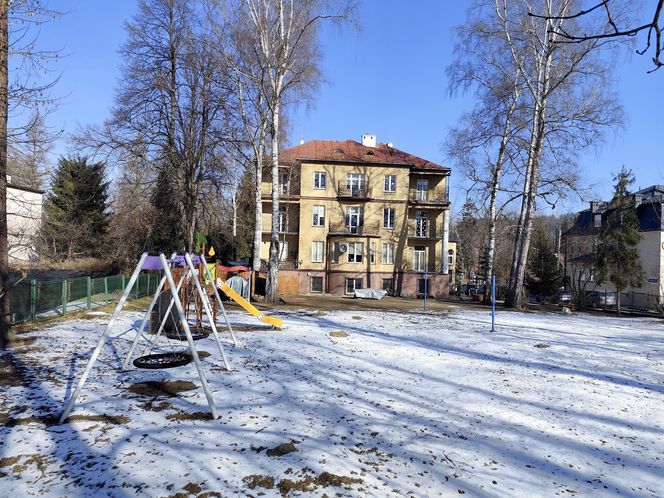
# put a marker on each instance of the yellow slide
(250, 308)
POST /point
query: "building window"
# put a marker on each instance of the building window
(598, 221)
(422, 190)
(318, 216)
(450, 257)
(352, 284)
(356, 184)
(390, 183)
(388, 253)
(284, 179)
(354, 218)
(372, 253)
(418, 258)
(283, 250)
(388, 285)
(320, 180)
(421, 224)
(317, 251)
(316, 284)
(389, 215)
(355, 250)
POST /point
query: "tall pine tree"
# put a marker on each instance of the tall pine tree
(617, 247)
(544, 277)
(76, 210)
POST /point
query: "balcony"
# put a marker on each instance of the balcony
(290, 227)
(355, 192)
(424, 198)
(286, 191)
(423, 230)
(366, 229)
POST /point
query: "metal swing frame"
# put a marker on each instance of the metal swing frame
(189, 272)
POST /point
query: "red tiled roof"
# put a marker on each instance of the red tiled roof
(352, 151)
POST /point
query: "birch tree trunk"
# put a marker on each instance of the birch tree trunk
(258, 212)
(5, 321)
(272, 288)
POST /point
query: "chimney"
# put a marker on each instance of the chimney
(301, 141)
(369, 140)
(390, 145)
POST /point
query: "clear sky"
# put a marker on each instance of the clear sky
(387, 80)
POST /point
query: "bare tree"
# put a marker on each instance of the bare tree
(614, 26)
(483, 142)
(282, 35)
(172, 99)
(570, 106)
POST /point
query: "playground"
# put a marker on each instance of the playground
(343, 402)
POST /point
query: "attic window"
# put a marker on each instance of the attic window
(338, 151)
(370, 153)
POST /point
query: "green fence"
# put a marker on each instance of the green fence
(34, 299)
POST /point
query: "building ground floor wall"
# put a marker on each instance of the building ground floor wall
(404, 284)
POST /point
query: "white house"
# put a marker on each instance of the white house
(24, 216)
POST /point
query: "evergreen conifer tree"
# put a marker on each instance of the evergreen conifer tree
(76, 210)
(617, 251)
(544, 277)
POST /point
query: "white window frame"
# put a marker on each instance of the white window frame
(316, 216)
(320, 178)
(391, 221)
(284, 182)
(387, 256)
(317, 251)
(356, 250)
(354, 280)
(372, 253)
(283, 219)
(390, 184)
(422, 189)
(450, 257)
(418, 265)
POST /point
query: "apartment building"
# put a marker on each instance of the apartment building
(360, 215)
(580, 241)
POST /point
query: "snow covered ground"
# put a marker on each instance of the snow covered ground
(346, 403)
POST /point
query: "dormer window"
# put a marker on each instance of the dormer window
(371, 153)
(338, 151)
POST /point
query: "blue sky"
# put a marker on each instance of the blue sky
(388, 80)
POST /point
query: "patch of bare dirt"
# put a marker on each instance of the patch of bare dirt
(50, 419)
(542, 345)
(161, 389)
(189, 416)
(151, 406)
(282, 449)
(356, 317)
(309, 484)
(339, 333)
(259, 481)
(319, 313)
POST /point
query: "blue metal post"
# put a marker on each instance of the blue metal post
(493, 303)
(425, 286)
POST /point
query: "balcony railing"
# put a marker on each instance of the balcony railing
(285, 190)
(291, 226)
(422, 230)
(352, 192)
(368, 228)
(430, 197)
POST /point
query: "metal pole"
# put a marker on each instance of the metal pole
(64, 297)
(106, 291)
(33, 300)
(102, 339)
(221, 304)
(493, 303)
(426, 268)
(89, 293)
(185, 324)
(206, 307)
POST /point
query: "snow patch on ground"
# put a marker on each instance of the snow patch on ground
(402, 403)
